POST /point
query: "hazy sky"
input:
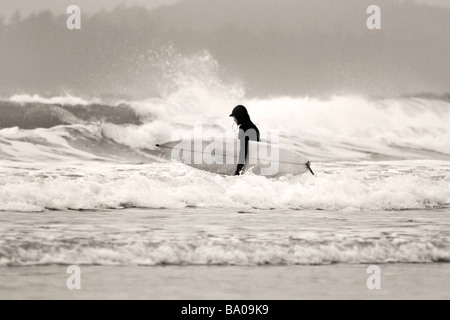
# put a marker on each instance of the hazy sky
(8, 7)
(275, 47)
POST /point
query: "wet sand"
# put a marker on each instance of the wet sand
(398, 281)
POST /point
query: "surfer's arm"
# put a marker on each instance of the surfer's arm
(242, 153)
(239, 170)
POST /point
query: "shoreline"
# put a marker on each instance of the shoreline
(335, 282)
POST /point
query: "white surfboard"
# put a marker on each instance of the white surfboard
(221, 156)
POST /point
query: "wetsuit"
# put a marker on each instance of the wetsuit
(247, 131)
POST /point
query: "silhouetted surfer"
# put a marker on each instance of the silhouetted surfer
(247, 131)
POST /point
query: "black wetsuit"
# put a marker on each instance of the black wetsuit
(247, 131)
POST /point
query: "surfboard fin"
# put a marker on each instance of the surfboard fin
(308, 165)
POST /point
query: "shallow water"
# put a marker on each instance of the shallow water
(243, 237)
(398, 281)
(201, 253)
(337, 186)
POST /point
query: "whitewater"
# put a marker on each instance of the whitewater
(368, 154)
(82, 182)
(77, 169)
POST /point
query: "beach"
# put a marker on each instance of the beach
(336, 282)
(225, 254)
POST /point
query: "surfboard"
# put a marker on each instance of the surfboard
(221, 156)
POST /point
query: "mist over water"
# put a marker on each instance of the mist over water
(193, 89)
(295, 48)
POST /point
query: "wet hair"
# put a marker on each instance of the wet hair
(241, 114)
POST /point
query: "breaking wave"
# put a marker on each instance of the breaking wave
(322, 250)
(341, 128)
(376, 186)
(357, 146)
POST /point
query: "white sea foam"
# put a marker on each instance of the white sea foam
(204, 237)
(61, 100)
(350, 140)
(344, 128)
(229, 253)
(337, 128)
(362, 188)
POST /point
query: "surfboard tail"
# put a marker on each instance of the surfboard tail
(308, 165)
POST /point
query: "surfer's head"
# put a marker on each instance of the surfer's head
(240, 115)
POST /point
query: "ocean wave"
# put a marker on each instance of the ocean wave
(340, 128)
(60, 100)
(226, 252)
(194, 89)
(33, 115)
(346, 187)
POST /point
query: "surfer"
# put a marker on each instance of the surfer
(247, 131)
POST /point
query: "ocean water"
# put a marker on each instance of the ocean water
(223, 237)
(82, 183)
(381, 193)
